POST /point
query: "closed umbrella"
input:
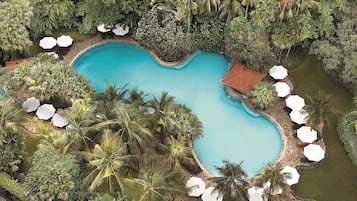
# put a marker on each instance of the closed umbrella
(195, 186)
(64, 41)
(31, 104)
(211, 194)
(120, 30)
(48, 43)
(45, 111)
(295, 102)
(101, 28)
(306, 134)
(282, 88)
(291, 175)
(314, 152)
(59, 120)
(255, 193)
(278, 72)
(299, 116)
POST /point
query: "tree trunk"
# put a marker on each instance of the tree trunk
(287, 54)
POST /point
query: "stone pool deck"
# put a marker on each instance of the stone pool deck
(291, 154)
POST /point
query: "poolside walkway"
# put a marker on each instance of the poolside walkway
(291, 154)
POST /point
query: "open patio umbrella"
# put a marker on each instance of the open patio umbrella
(48, 43)
(306, 134)
(299, 116)
(291, 177)
(295, 102)
(195, 186)
(255, 193)
(210, 194)
(31, 104)
(59, 120)
(282, 88)
(278, 72)
(45, 111)
(120, 30)
(101, 28)
(314, 152)
(64, 41)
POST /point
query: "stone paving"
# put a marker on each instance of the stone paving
(291, 154)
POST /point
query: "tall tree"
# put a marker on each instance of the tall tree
(230, 9)
(51, 15)
(209, 6)
(14, 24)
(232, 178)
(318, 109)
(107, 158)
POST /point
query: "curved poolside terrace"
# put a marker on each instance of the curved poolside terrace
(290, 154)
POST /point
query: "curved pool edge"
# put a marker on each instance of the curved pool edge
(79, 48)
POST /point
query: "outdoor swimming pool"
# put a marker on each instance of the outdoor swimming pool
(229, 131)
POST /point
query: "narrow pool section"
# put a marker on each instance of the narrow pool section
(230, 132)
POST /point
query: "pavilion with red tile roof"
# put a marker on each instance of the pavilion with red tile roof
(242, 78)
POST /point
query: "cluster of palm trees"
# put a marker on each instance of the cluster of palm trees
(114, 131)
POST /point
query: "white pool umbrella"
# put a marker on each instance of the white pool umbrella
(210, 194)
(31, 104)
(295, 102)
(255, 193)
(195, 186)
(282, 88)
(306, 134)
(314, 152)
(101, 28)
(299, 116)
(278, 72)
(59, 120)
(120, 30)
(45, 111)
(48, 43)
(291, 175)
(64, 41)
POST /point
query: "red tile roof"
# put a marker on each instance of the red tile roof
(241, 78)
(14, 63)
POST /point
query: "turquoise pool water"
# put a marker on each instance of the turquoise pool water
(229, 131)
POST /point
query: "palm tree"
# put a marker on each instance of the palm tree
(209, 6)
(230, 9)
(157, 182)
(272, 174)
(263, 95)
(247, 4)
(163, 114)
(306, 5)
(178, 151)
(107, 158)
(233, 177)
(318, 109)
(111, 93)
(80, 120)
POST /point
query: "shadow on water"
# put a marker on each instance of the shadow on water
(332, 181)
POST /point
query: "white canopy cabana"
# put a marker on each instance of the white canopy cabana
(299, 116)
(45, 111)
(59, 120)
(282, 88)
(120, 30)
(314, 152)
(64, 41)
(48, 43)
(255, 193)
(295, 102)
(278, 72)
(101, 28)
(195, 186)
(291, 175)
(306, 134)
(210, 194)
(31, 104)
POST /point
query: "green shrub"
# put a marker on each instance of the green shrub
(263, 95)
(12, 186)
(346, 133)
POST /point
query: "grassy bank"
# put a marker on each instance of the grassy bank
(333, 179)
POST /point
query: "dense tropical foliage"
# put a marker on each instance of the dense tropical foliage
(258, 33)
